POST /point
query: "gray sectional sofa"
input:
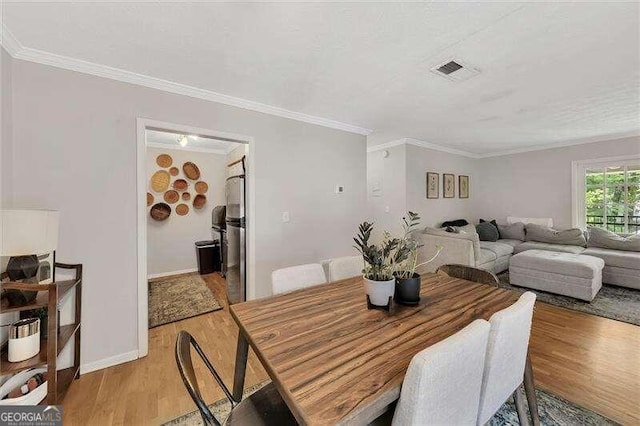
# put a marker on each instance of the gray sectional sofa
(622, 267)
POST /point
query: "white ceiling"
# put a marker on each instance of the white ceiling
(551, 72)
(169, 140)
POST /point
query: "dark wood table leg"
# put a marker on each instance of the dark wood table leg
(242, 352)
(530, 390)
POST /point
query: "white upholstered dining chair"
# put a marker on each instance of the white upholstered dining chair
(442, 384)
(342, 268)
(506, 358)
(296, 277)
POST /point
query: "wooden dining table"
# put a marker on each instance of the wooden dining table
(336, 362)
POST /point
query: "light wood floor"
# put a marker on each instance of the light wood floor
(589, 360)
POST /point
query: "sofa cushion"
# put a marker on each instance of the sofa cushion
(543, 221)
(498, 248)
(487, 231)
(599, 237)
(514, 231)
(574, 236)
(534, 245)
(618, 258)
(512, 243)
(485, 256)
(568, 264)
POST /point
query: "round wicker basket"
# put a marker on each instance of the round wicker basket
(182, 209)
(160, 181)
(164, 160)
(201, 187)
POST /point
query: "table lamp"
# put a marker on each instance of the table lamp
(25, 234)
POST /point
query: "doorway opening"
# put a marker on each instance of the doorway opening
(192, 256)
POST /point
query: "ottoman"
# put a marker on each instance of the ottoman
(568, 274)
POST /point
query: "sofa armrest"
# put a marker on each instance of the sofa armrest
(454, 250)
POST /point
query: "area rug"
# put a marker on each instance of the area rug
(179, 297)
(618, 303)
(553, 410)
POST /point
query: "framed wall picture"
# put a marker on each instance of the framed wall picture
(433, 185)
(463, 186)
(448, 185)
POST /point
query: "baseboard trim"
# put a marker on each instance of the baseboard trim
(168, 274)
(108, 362)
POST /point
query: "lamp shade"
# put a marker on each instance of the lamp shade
(28, 232)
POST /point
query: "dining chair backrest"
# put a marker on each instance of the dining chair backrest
(342, 268)
(442, 384)
(506, 355)
(469, 273)
(296, 277)
(184, 343)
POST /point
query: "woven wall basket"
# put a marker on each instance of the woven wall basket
(174, 171)
(150, 199)
(186, 196)
(160, 211)
(191, 170)
(201, 187)
(199, 201)
(160, 181)
(180, 185)
(171, 196)
(182, 209)
(164, 160)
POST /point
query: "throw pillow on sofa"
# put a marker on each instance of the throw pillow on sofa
(603, 238)
(487, 231)
(543, 234)
(514, 231)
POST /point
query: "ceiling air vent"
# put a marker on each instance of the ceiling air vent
(455, 69)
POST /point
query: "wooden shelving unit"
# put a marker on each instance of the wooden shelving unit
(51, 297)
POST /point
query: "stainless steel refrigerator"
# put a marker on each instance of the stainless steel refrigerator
(236, 239)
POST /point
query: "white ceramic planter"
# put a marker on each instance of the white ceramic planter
(379, 292)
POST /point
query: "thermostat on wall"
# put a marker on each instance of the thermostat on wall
(339, 189)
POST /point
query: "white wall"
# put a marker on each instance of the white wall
(77, 154)
(388, 204)
(435, 211)
(170, 243)
(402, 177)
(6, 132)
(538, 183)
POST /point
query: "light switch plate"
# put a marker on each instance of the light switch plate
(339, 189)
(285, 217)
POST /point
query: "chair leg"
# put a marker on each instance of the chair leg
(531, 392)
(520, 407)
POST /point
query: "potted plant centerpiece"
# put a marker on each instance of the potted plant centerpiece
(378, 270)
(390, 267)
(407, 291)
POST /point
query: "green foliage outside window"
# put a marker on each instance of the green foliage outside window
(605, 195)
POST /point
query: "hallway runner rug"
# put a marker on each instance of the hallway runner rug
(179, 297)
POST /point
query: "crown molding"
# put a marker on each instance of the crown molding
(386, 145)
(18, 51)
(573, 142)
(435, 147)
(9, 41)
(186, 148)
(421, 144)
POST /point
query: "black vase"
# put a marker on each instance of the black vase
(408, 290)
